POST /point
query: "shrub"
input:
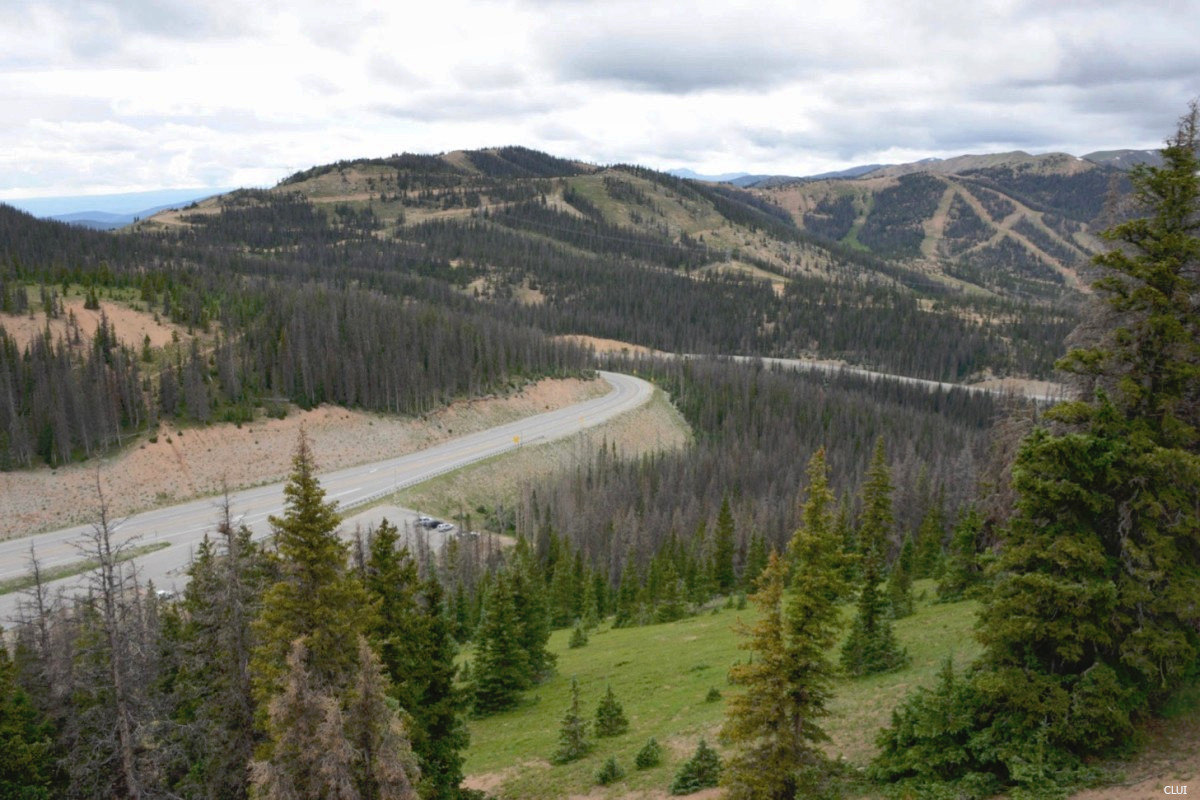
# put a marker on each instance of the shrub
(701, 771)
(610, 716)
(610, 772)
(650, 755)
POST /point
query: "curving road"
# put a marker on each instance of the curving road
(183, 526)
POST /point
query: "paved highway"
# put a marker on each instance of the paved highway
(182, 526)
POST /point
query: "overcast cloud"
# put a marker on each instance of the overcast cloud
(129, 95)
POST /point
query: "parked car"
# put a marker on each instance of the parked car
(445, 527)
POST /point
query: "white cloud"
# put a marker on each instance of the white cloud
(140, 94)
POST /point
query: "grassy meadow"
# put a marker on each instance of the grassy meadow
(662, 675)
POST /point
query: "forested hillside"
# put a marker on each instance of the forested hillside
(1016, 225)
(398, 283)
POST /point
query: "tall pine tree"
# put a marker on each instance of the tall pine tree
(774, 723)
(871, 646)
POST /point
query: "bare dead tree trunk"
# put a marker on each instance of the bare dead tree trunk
(109, 581)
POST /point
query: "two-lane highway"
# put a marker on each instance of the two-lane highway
(183, 526)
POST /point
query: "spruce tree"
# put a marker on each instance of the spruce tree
(501, 669)
(315, 598)
(773, 725)
(573, 742)
(610, 716)
(650, 755)
(871, 646)
(26, 741)
(529, 601)
(1094, 605)
(928, 543)
(900, 580)
(391, 580)
(701, 771)
(579, 636)
(440, 733)
(723, 546)
(963, 573)
(214, 700)
(417, 651)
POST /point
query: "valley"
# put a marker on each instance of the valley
(423, 333)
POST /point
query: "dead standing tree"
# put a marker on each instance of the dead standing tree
(115, 608)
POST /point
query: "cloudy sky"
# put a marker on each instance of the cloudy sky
(128, 95)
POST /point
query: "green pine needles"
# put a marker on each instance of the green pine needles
(610, 716)
(871, 646)
(701, 771)
(573, 741)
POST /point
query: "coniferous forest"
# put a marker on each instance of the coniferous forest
(308, 665)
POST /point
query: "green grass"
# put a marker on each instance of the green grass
(661, 674)
(74, 568)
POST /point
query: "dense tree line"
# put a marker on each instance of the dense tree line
(646, 524)
(63, 398)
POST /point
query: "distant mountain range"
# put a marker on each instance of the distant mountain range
(1119, 159)
(109, 211)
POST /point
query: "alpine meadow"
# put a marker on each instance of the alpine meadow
(904, 502)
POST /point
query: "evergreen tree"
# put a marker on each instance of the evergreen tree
(670, 604)
(701, 771)
(963, 572)
(900, 580)
(323, 750)
(417, 651)
(871, 646)
(385, 767)
(650, 755)
(501, 669)
(756, 560)
(214, 701)
(591, 605)
(310, 756)
(610, 716)
(529, 600)
(391, 580)
(26, 741)
(773, 724)
(611, 772)
(579, 636)
(723, 546)
(1094, 606)
(315, 598)
(439, 732)
(928, 544)
(573, 742)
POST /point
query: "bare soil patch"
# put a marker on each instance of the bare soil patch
(601, 345)
(131, 327)
(193, 462)
(1171, 757)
